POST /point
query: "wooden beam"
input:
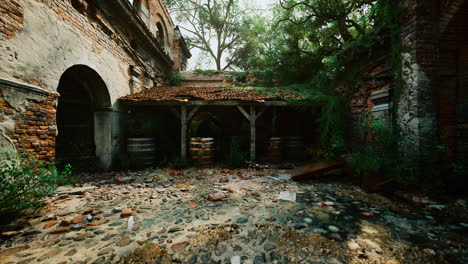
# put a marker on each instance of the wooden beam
(193, 112)
(252, 133)
(242, 110)
(183, 132)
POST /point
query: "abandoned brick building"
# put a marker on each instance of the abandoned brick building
(64, 64)
(433, 104)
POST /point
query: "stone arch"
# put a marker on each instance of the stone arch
(84, 118)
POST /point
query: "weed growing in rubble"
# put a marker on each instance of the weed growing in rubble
(25, 181)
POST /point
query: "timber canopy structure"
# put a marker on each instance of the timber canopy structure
(186, 101)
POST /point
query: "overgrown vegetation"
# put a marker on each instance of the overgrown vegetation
(25, 182)
(176, 79)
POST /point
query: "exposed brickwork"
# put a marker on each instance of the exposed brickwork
(96, 29)
(453, 85)
(34, 130)
(11, 20)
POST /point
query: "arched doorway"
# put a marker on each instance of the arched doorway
(84, 114)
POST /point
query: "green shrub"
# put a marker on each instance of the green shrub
(176, 79)
(25, 181)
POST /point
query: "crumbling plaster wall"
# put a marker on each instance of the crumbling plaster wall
(49, 41)
(48, 45)
(416, 108)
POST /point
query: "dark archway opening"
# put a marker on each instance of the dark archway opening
(83, 120)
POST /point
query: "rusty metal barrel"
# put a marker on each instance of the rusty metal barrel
(294, 148)
(202, 150)
(142, 152)
(274, 150)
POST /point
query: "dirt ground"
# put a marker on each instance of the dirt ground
(238, 216)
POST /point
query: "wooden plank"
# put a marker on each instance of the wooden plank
(252, 133)
(183, 132)
(193, 112)
(310, 170)
(242, 110)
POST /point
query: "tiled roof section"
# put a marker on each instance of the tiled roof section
(185, 94)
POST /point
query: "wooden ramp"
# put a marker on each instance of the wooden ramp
(314, 169)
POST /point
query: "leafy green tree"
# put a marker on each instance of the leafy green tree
(217, 27)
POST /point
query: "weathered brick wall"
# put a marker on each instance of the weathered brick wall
(34, 127)
(452, 89)
(95, 28)
(11, 21)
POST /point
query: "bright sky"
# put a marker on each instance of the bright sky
(198, 61)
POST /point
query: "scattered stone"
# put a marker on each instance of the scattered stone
(308, 220)
(78, 219)
(71, 252)
(65, 223)
(259, 260)
(174, 229)
(269, 246)
(11, 251)
(367, 214)
(327, 203)
(89, 218)
(74, 190)
(237, 248)
(97, 213)
(107, 237)
(94, 224)
(52, 253)
(117, 223)
(333, 228)
(88, 211)
(235, 260)
(50, 224)
(178, 221)
(242, 220)
(117, 210)
(124, 242)
(287, 196)
(178, 247)
(124, 179)
(216, 196)
(10, 234)
(106, 251)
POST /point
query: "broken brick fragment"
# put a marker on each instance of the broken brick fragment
(125, 214)
(60, 230)
(52, 223)
(78, 219)
(216, 196)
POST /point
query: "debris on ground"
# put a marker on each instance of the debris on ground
(255, 215)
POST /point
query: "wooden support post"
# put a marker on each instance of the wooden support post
(193, 112)
(183, 132)
(253, 117)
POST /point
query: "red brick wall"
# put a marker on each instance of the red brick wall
(453, 85)
(34, 129)
(11, 20)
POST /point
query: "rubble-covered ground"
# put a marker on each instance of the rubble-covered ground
(239, 216)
